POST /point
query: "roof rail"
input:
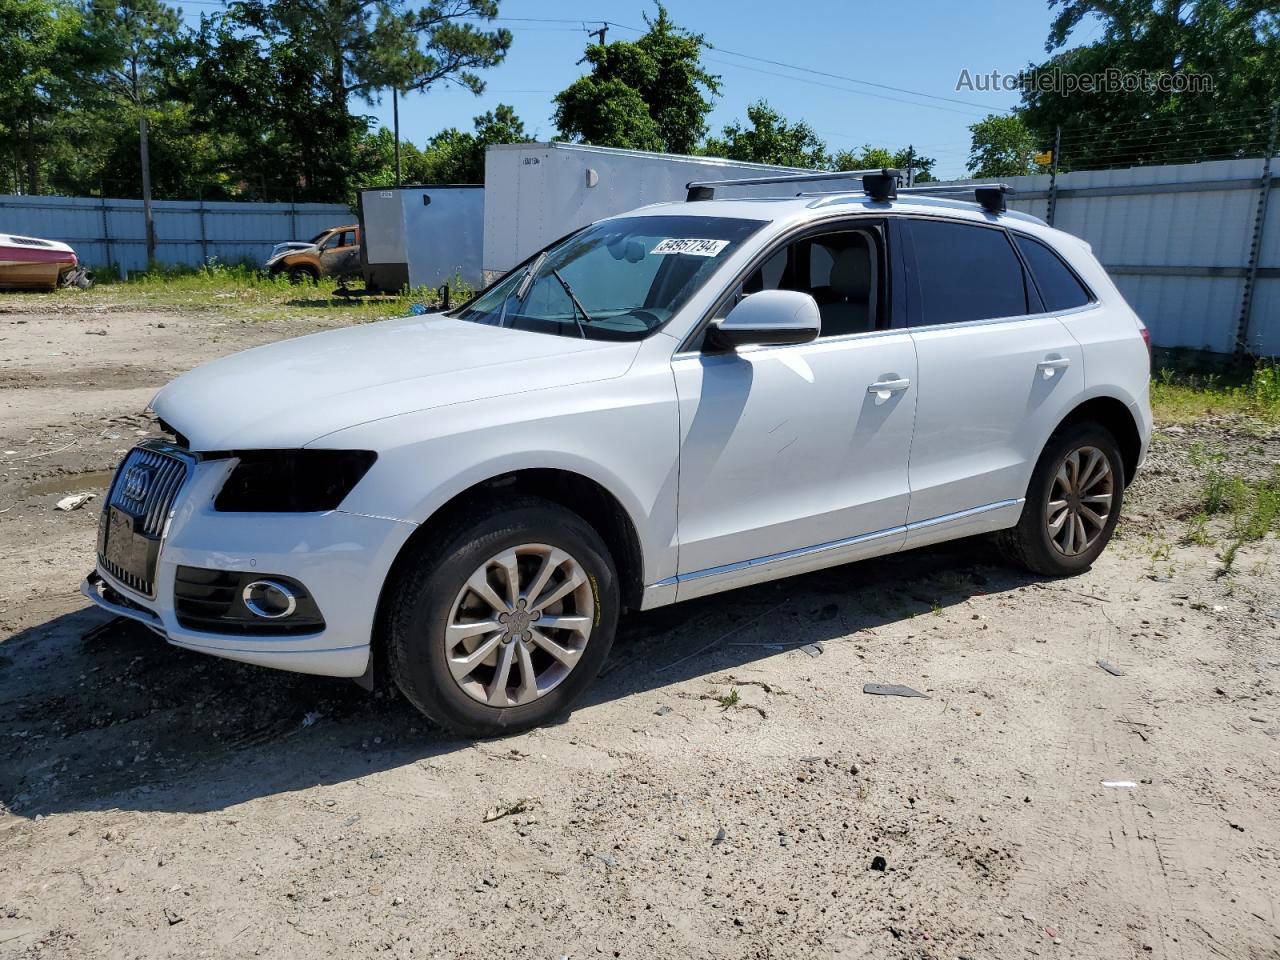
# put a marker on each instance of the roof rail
(880, 185)
(706, 189)
(992, 197)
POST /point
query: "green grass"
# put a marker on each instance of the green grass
(1178, 396)
(243, 294)
(729, 700)
(1250, 507)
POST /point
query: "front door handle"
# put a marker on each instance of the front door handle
(884, 388)
(1051, 367)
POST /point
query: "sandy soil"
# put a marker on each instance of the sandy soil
(155, 803)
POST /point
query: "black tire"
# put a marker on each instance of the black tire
(303, 275)
(428, 581)
(1029, 543)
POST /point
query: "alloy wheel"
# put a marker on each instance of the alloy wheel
(519, 625)
(1081, 498)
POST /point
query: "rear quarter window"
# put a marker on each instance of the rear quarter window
(1058, 286)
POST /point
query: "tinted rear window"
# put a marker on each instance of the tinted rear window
(966, 273)
(1058, 286)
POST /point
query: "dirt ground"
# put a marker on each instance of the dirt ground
(156, 803)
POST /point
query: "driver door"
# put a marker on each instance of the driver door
(341, 254)
(791, 458)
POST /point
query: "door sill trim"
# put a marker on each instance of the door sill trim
(835, 544)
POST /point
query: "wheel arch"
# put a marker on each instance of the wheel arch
(1115, 415)
(587, 497)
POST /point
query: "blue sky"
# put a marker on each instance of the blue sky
(924, 49)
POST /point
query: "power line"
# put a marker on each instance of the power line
(778, 63)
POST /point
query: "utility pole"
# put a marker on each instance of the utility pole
(395, 121)
(599, 35)
(911, 171)
(1053, 176)
(1255, 244)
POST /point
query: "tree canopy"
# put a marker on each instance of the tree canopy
(650, 94)
(1002, 147)
(1234, 44)
(770, 138)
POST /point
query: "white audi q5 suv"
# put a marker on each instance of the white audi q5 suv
(681, 400)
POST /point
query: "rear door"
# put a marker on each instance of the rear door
(996, 374)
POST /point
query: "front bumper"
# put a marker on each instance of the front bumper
(342, 558)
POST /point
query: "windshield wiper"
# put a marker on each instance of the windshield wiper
(577, 305)
(529, 275)
(522, 291)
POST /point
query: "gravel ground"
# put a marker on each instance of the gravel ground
(155, 803)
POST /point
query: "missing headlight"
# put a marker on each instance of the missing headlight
(292, 481)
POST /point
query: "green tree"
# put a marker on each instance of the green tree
(1234, 43)
(1001, 146)
(263, 96)
(133, 38)
(871, 158)
(452, 156)
(651, 94)
(364, 47)
(40, 46)
(770, 139)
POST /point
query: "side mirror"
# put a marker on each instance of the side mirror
(770, 316)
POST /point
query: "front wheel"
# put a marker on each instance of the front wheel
(502, 623)
(1073, 503)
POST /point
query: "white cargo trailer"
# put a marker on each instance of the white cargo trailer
(421, 236)
(538, 192)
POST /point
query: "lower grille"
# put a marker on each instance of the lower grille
(137, 508)
(210, 601)
(133, 582)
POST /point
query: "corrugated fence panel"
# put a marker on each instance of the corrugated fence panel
(110, 234)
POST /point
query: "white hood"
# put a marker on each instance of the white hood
(288, 394)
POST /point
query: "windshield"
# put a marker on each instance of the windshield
(616, 280)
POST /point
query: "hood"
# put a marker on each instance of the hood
(288, 394)
(292, 246)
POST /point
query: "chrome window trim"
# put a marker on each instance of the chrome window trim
(683, 351)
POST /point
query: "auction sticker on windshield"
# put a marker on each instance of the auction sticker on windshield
(695, 248)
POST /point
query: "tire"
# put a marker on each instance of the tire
(299, 275)
(1032, 543)
(432, 589)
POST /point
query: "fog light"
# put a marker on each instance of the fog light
(269, 599)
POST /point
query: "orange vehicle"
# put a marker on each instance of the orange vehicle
(332, 253)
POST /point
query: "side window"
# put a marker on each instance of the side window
(1058, 286)
(843, 271)
(965, 273)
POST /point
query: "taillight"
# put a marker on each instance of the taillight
(1146, 338)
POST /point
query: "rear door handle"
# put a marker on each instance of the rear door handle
(1050, 367)
(883, 388)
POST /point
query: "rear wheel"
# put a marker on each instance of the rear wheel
(500, 624)
(1073, 503)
